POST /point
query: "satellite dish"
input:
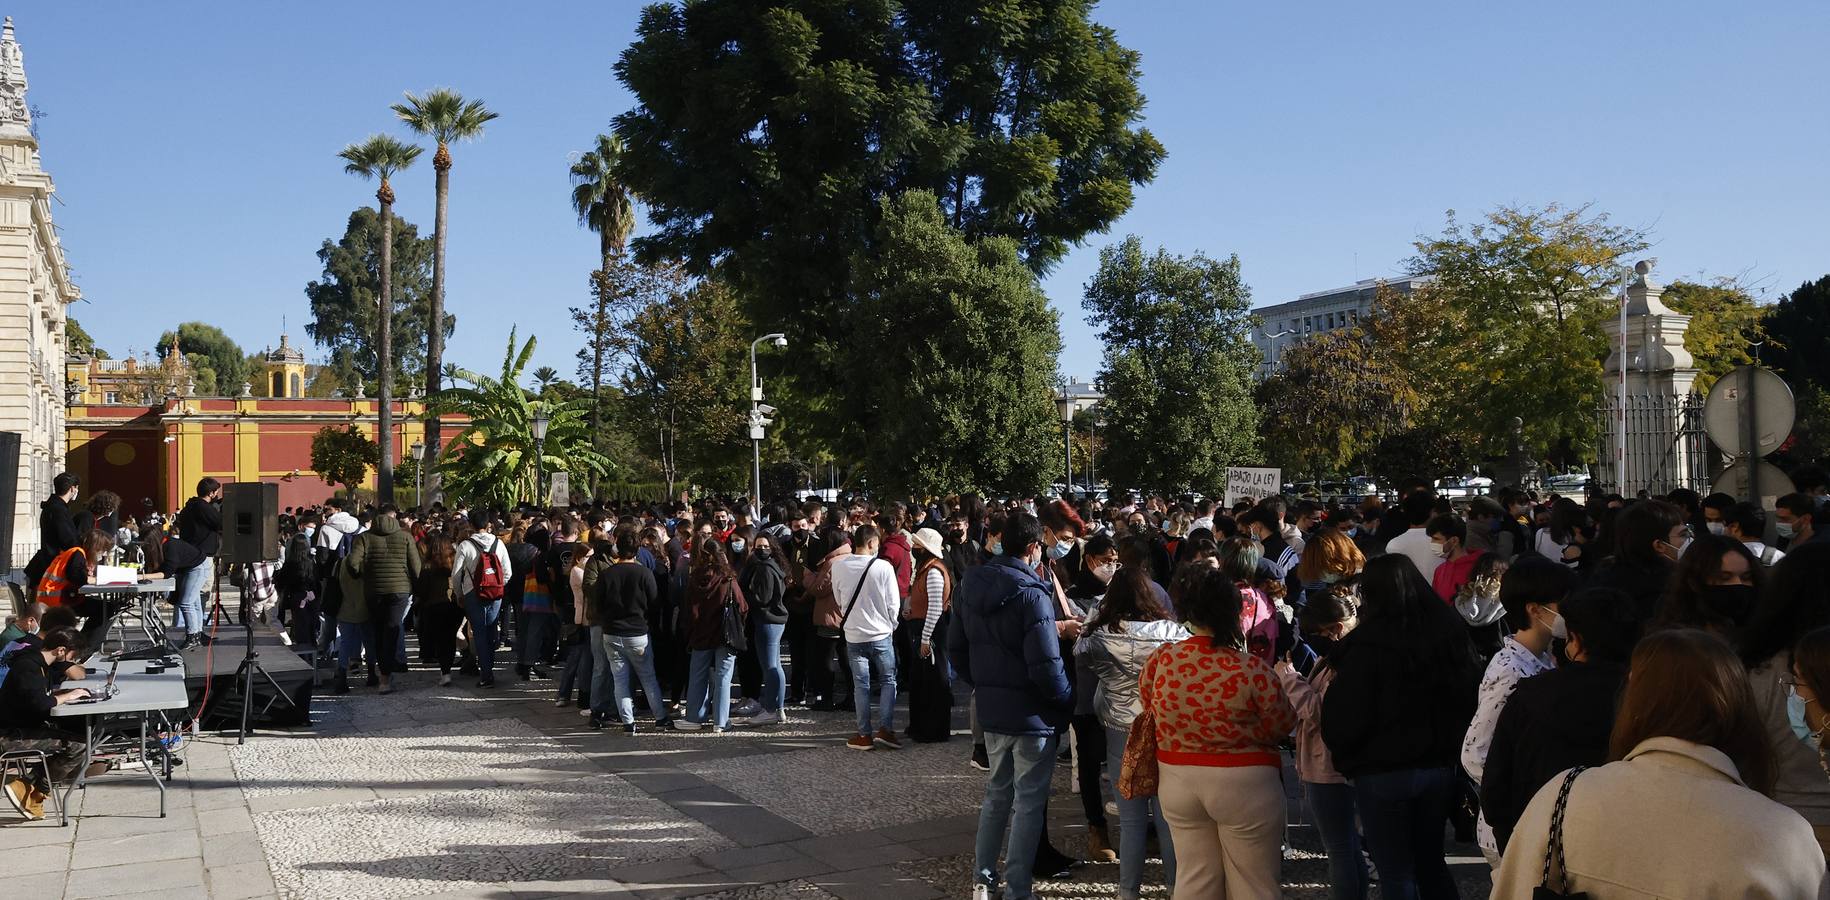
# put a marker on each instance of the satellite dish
(1773, 410)
(1773, 483)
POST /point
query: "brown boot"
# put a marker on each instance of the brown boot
(1099, 845)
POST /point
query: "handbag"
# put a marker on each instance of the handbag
(731, 624)
(1554, 852)
(1137, 775)
(834, 632)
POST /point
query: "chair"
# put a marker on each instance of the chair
(24, 761)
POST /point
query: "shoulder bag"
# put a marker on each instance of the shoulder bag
(731, 628)
(1554, 852)
(1137, 776)
(833, 632)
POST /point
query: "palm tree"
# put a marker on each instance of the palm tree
(380, 157)
(491, 459)
(445, 116)
(544, 377)
(600, 198)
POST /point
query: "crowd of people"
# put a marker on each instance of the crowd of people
(1535, 674)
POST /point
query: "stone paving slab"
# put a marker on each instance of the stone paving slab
(462, 839)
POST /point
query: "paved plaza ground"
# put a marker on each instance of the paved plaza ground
(462, 793)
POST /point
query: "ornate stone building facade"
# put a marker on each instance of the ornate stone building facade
(35, 287)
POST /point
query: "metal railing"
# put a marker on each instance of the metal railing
(1666, 448)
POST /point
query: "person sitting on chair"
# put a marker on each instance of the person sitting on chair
(26, 701)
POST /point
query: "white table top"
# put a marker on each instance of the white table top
(156, 586)
(137, 690)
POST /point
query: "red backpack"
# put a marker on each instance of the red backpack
(488, 577)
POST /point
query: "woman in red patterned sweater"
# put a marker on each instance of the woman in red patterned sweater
(1220, 714)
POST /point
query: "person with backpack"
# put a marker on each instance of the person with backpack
(713, 599)
(479, 577)
(387, 561)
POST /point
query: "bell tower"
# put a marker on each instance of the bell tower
(285, 371)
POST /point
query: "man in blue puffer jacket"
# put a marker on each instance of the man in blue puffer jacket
(1004, 643)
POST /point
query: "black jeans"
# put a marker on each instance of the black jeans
(799, 630)
(385, 611)
(930, 684)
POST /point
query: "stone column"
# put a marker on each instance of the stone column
(1660, 374)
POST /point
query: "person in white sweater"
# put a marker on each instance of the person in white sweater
(865, 588)
(1685, 811)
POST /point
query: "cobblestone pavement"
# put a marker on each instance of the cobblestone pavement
(461, 793)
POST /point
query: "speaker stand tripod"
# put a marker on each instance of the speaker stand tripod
(245, 675)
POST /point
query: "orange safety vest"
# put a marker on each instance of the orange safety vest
(54, 585)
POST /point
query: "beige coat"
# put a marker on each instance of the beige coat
(1671, 820)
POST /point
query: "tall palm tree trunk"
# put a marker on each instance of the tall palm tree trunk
(384, 437)
(435, 330)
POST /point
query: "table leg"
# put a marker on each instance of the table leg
(150, 771)
(82, 774)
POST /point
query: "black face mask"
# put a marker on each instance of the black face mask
(762, 553)
(1734, 602)
(1322, 644)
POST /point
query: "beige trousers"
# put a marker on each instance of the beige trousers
(1233, 822)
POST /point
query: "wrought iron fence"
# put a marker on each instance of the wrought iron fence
(1666, 448)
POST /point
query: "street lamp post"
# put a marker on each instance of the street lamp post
(1064, 405)
(539, 432)
(419, 472)
(759, 420)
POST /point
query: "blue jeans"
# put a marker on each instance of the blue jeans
(1332, 807)
(352, 639)
(1017, 794)
(882, 652)
(1134, 818)
(483, 616)
(603, 691)
(631, 652)
(769, 657)
(710, 681)
(187, 597)
(1404, 813)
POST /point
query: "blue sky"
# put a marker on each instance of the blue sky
(194, 150)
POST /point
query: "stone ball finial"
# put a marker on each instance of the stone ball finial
(1643, 267)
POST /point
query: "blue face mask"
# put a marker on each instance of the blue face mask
(1795, 713)
(737, 546)
(994, 547)
(1060, 550)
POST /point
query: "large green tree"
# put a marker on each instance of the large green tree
(343, 456)
(766, 134)
(1799, 326)
(685, 371)
(217, 362)
(1511, 326)
(955, 344)
(1333, 398)
(443, 115)
(345, 298)
(1177, 367)
(1725, 321)
(379, 158)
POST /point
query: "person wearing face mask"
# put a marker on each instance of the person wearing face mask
(1326, 618)
(1560, 718)
(1715, 513)
(1478, 601)
(1714, 588)
(1650, 537)
(1531, 593)
(930, 681)
(1796, 524)
(765, 586)
(1747, 523)
(1810, 684)
(1790, 604)
(1098, 565)
(1448, 536)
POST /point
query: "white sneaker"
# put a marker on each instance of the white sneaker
(766, 718)
(981, 892)
(444, 680)
(586, 712)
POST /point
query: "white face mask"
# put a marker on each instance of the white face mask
(1106, 573)
(1784, 529)
(1439, 550)
(1717, 528)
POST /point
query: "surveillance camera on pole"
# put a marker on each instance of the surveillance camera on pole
(760, 414)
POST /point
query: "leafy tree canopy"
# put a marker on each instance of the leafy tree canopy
(1799, 326)
(344, 304)
(1334, 398)
(79, 340)
(685, 368)
(1177, 367)
(343, 455)
(216, 361)
(957, 343)
(1725, 320)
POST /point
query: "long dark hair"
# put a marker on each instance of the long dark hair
(1130, 598)
(1791, 603)
(1687, 599)
(1211, 601)
(1687, 684)
(1402, 613)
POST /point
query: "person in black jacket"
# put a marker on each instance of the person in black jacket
(200, 525)
(57, 528)
(625, 594)
(765, 586)
(1562, 718)
(26, 701)
(1649, 537)
(1394, 718)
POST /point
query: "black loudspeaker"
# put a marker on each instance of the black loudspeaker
(9, 496)
(250, 522)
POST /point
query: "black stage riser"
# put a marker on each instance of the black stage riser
(218, 670)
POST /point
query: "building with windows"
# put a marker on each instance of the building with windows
(1285, 324)
(35, 287)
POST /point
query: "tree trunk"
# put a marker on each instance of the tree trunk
(384, 430)
(435, 328)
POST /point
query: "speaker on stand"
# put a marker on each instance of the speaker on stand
(250, 535)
